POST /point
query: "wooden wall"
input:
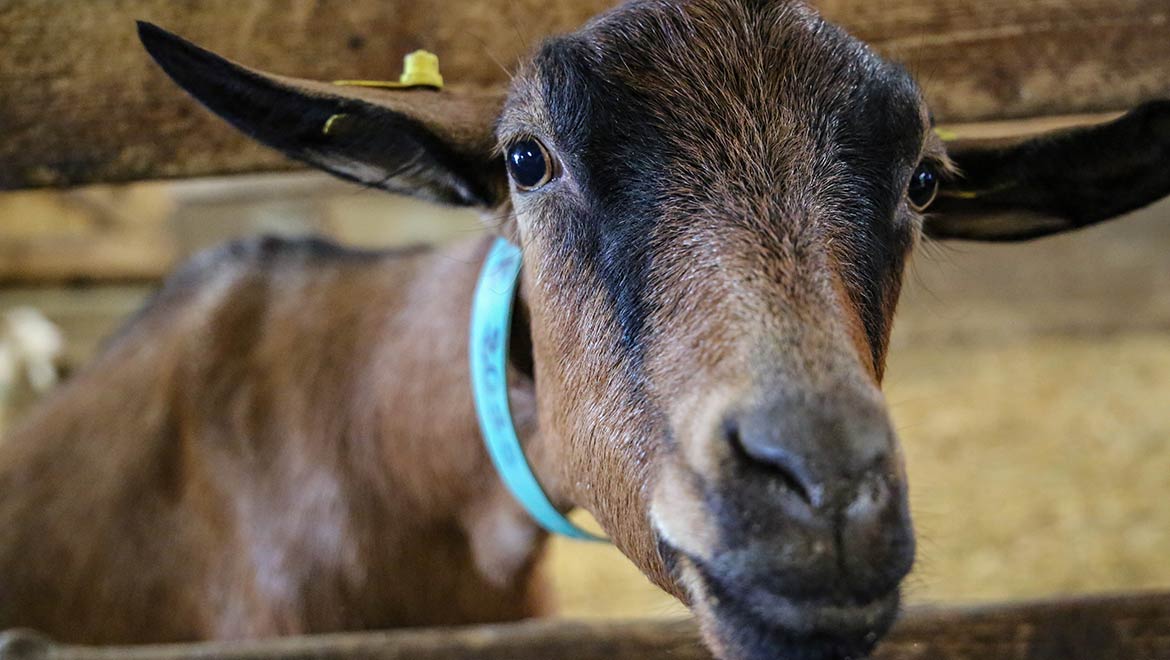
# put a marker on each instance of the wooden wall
(80, 102)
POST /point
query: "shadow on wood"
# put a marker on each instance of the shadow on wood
(1125, 627)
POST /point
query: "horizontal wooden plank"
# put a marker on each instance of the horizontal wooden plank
(80, 102)
(996, 59)
(1104, 628)
(108, 257)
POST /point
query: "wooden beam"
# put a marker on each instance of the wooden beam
(80, 102)
(107, 257)
(981, 60)
(1103, 628)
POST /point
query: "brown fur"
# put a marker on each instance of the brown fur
(260, 454)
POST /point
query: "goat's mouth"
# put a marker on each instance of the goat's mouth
(743, 621)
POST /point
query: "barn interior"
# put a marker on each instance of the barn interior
(1029, 382)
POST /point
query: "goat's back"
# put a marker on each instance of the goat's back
(246, 451)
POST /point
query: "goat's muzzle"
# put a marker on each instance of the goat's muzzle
(790, 531)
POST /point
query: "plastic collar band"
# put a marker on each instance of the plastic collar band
(491, 321)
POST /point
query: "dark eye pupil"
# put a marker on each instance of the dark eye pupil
(527, 163)
(923, 186)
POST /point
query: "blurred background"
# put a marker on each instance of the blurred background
(1030, 383)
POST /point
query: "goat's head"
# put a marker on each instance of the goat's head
(715, 200)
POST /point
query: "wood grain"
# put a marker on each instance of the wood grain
(80, 102)
(1135, 627)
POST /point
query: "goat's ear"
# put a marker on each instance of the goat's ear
(1055, 182)
(435, 145)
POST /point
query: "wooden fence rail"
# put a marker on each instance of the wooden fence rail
(80, 102)
(1133, 627)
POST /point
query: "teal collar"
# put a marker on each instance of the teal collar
(491, 320)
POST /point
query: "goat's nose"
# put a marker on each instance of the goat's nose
(840, 485)
(833, 454)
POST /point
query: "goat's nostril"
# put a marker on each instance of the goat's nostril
(779, 462)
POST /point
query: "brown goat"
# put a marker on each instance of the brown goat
(714, 201)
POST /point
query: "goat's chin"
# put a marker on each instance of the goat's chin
(745, 624)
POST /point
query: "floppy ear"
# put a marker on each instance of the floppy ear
(435, 145)
(1055, 182)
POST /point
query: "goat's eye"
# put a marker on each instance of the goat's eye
(529, 164)
(923, 187)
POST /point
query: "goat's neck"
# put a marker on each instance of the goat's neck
(432, 446)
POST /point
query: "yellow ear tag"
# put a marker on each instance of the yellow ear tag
(419, 69)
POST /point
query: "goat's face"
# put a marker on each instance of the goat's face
(712, 261)
(715, 200)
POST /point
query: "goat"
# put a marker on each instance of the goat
(713, 200)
